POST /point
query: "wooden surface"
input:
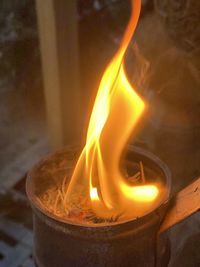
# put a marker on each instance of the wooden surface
(187, 202)
(57, 21)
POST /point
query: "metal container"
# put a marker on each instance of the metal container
(66, 243)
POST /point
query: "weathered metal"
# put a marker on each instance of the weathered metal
(178, 237)
(186, 203)
(66, 243)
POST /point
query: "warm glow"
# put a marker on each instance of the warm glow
(115, 114)
(94, 194)
(143, 193)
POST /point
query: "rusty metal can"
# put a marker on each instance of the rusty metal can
(66, 243)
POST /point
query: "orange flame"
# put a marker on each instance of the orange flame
(116, 111)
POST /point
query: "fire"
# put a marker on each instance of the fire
(116, 112)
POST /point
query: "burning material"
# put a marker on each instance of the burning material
(83, 238)
(97, 177)
(53, 198)
(100, 189)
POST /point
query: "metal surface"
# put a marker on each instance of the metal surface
(131, 243)
(186, 202)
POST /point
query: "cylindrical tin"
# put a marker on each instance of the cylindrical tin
(64, 243)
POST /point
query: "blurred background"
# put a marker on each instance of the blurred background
(163, 62)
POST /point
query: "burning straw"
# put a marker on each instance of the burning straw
(53, 202)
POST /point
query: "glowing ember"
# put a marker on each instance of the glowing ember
(117, 109)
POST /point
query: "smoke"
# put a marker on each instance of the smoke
(138, 68)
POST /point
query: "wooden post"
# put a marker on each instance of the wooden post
(57, 21)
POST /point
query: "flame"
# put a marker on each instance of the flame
(115, 114)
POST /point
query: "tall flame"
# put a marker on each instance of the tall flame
(116, 111)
